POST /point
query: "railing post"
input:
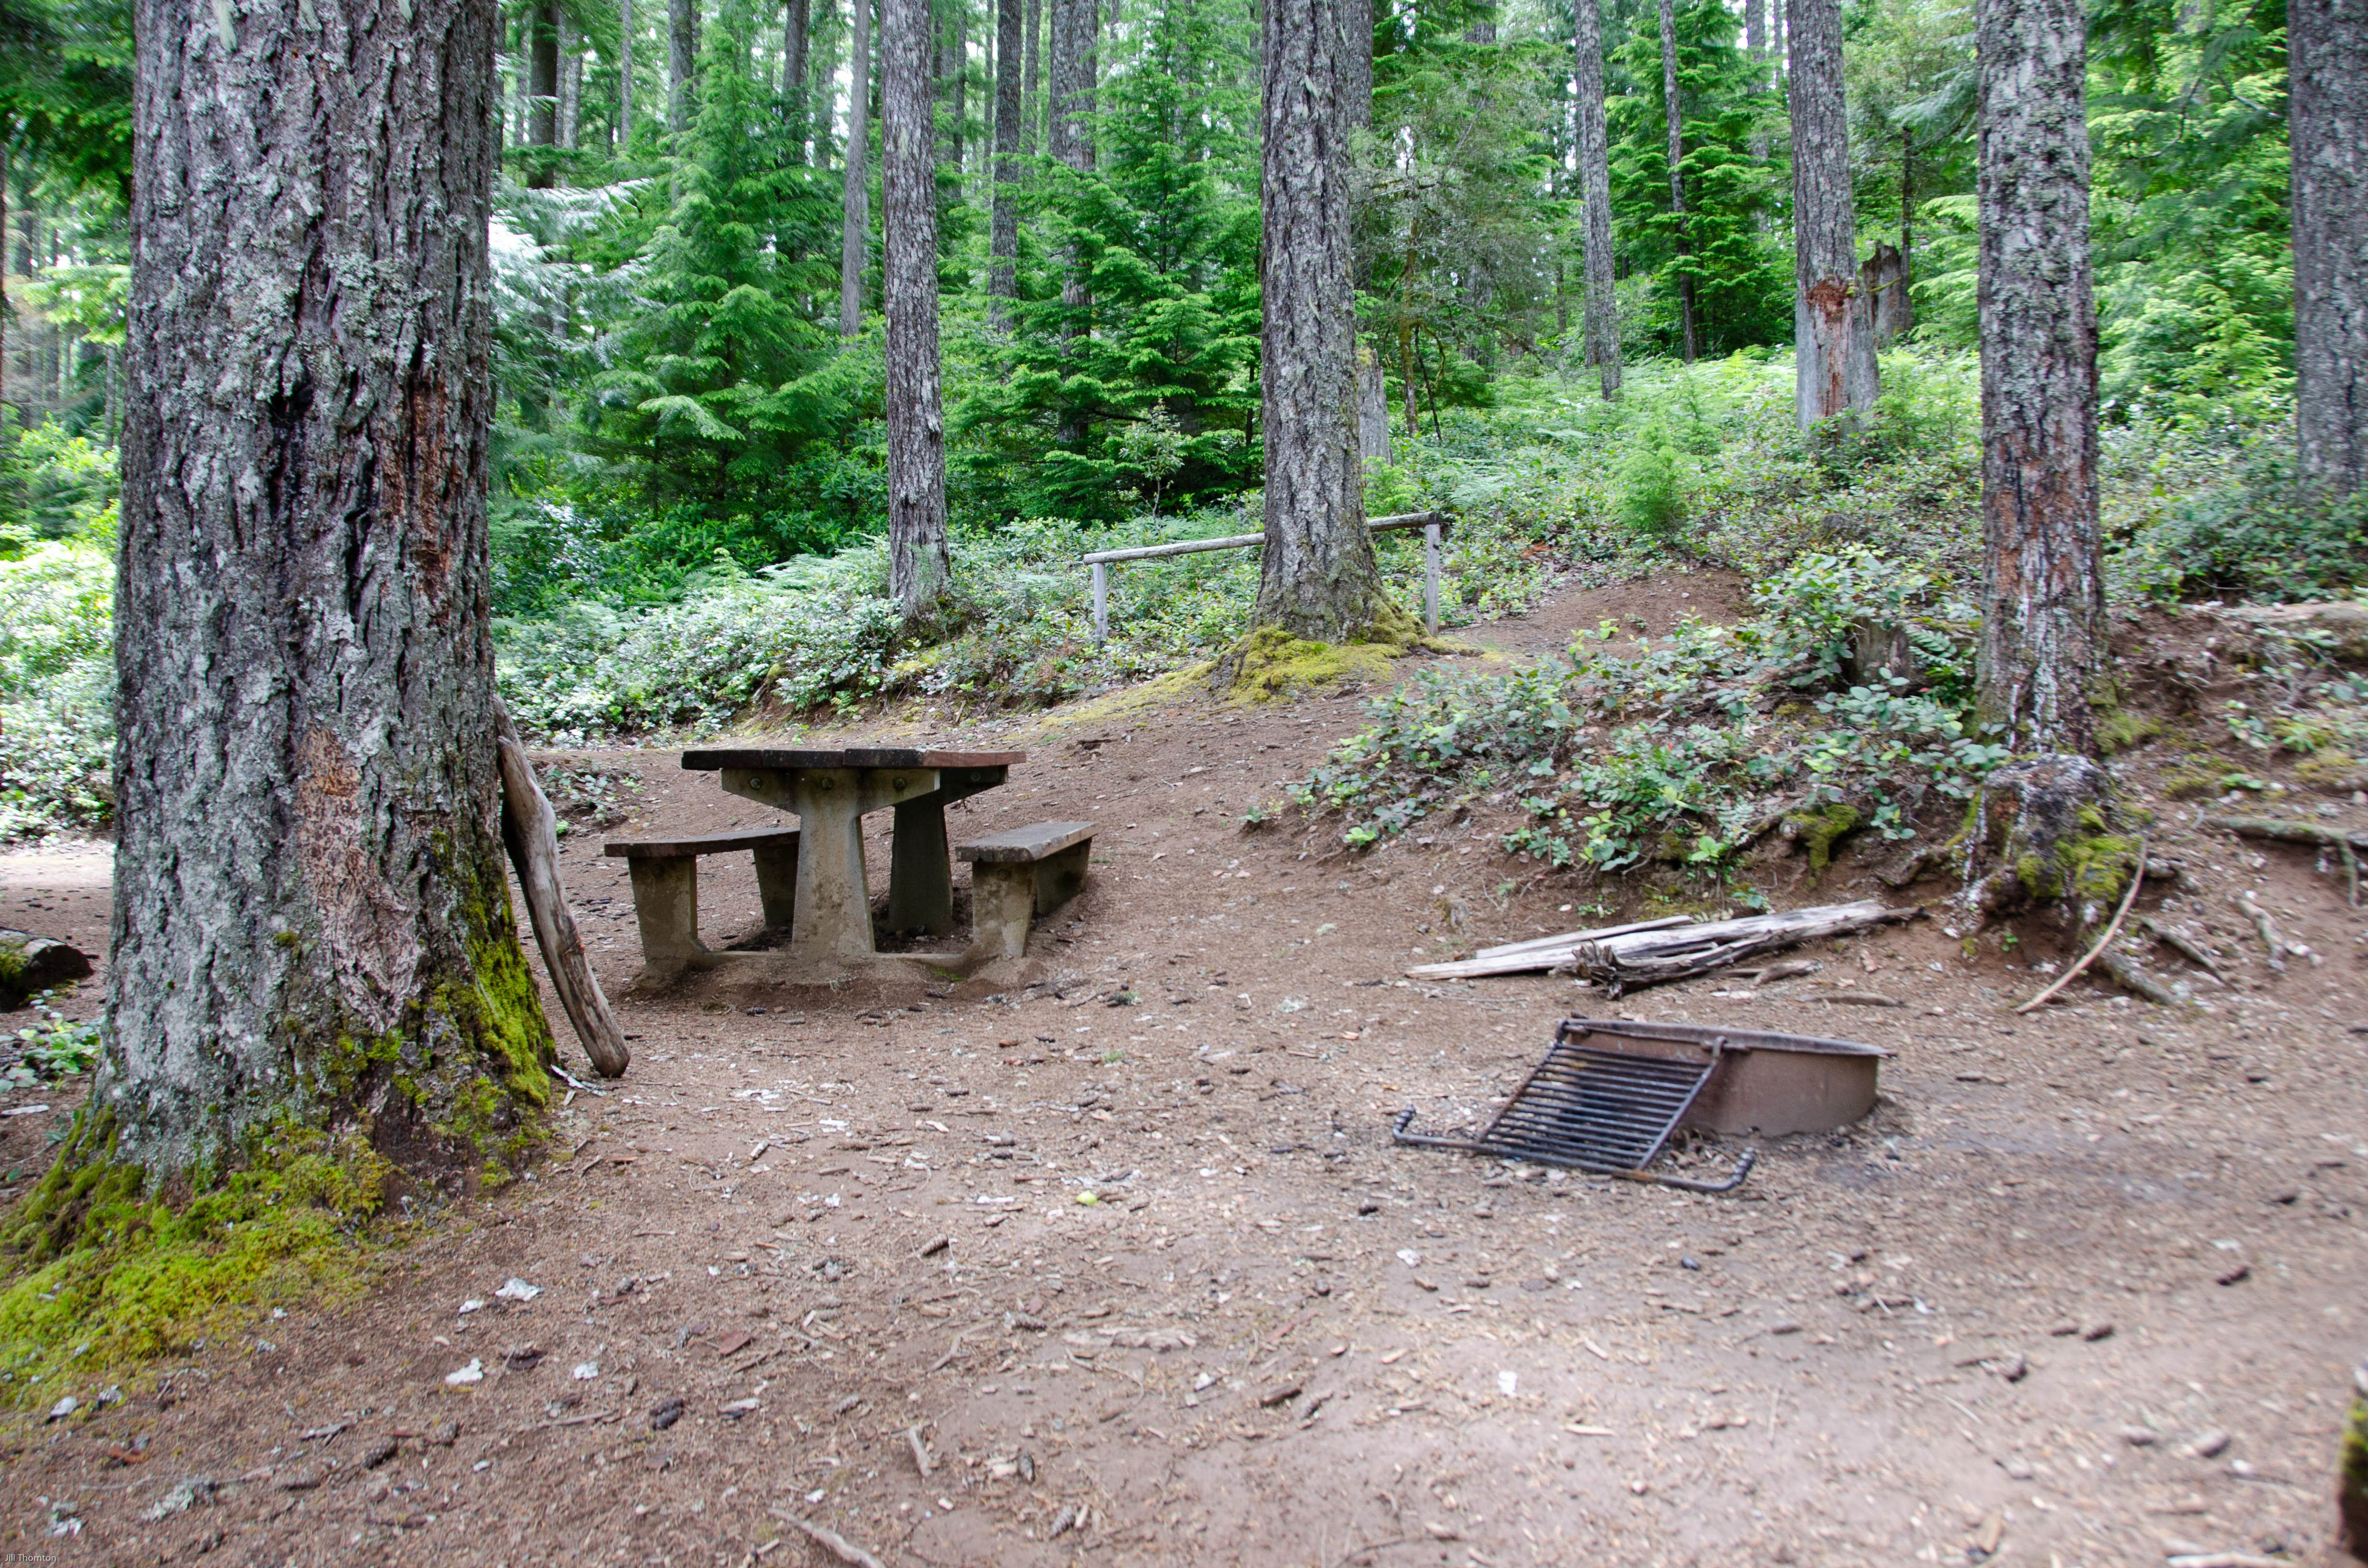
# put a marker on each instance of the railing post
(1102, 603)
(1430, 576)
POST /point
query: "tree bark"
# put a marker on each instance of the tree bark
(682, 62)
(1003, 239)
(570, 82)
(624, 76)
(854, 249)
(1372, 408)
(1356, 73)
(797, 35)
(1601, 308)
(918, 564)
(543, 87)
(2327, 43)
(1676, 178)
(2043, 585)
(1319, 579)
(1833, 327)
(312, 921)
(1755, 34)
(1073, 26)
(1032, 90)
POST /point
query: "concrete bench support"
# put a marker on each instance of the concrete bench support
(1018, 874)
(665, 888)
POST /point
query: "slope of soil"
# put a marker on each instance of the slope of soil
(1122, 1266)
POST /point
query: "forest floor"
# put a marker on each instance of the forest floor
(847, 1241)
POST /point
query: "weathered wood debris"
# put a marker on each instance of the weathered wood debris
(1622, 958)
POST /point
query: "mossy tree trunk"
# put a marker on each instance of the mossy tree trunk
(312, 920)
(2328, 64)
(1601, 310)
(854, 242)
(917, 563)
(2043, 576)
(1833, 325)
(1319, 579)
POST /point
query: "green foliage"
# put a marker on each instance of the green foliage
(2266, 533)
(55, 1047)
(57, 688)
(1681, 752)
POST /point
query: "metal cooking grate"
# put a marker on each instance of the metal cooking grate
(1597, 1110)
(1608, 1111)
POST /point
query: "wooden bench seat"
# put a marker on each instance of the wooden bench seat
(1020, 873)
(665, 887)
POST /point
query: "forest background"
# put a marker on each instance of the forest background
(690, 455)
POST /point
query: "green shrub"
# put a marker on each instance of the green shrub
(2267, 534)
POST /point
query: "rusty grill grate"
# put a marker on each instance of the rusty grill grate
(1608, 1111)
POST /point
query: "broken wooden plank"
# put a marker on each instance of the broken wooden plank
(1538, 953)
(1653, 958)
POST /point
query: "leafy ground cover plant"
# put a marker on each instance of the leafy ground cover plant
(1686, 750)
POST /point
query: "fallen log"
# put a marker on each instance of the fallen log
(1536, 954)
(530, 833)
(1653, 958)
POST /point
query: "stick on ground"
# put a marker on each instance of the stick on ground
(2138, 881)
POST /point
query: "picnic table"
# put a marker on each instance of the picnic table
(831, 791)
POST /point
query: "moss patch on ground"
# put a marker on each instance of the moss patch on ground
(1820, 828)
(1270, 663)
(102, 1274)
(2352, 1472)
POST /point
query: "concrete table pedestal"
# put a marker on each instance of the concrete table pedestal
(831, 793)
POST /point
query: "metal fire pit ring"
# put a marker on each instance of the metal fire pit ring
(1611, 1108)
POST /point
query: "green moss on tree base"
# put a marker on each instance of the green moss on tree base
(102, 1274)
(1271, 662)
(2351, 1477)
(1819, 828)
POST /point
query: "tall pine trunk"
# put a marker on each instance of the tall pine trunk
(682, 62)
(2042, 582)
(1833, 324)
(2327, 62)
(1074, 23)
(1357, 68)
(1003, 238)
(1677, 178)
(312, 919)
(542, 119)
(854, 246)
(624, 76)
(1031, 89)
(571, 81)
(1319, 579)
(918, 566)
(1601, 307)
(797, 38)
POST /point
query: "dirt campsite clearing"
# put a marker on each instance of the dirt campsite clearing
(1119, 1264)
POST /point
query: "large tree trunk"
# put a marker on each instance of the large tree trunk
(1074, 24)
(682, 62)
(1319, 579)
(1833, 325)
(542, 119)
(918, 566)
(854, 248)
(1357, 64)
(624, 76)
(1032, 90)
(2327, 62)
(797, 35)
(1003, 239)
(570, 82)
(2043, 585)
(1602, 310)
(1755, 35)
(1676, 180)
(312, 921)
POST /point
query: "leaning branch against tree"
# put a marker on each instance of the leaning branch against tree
(530, 832)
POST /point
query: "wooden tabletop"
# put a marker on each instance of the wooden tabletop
(848, 757)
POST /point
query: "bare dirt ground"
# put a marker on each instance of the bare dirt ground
(1121, 1267)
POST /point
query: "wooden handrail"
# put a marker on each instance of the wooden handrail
(1435, 527)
